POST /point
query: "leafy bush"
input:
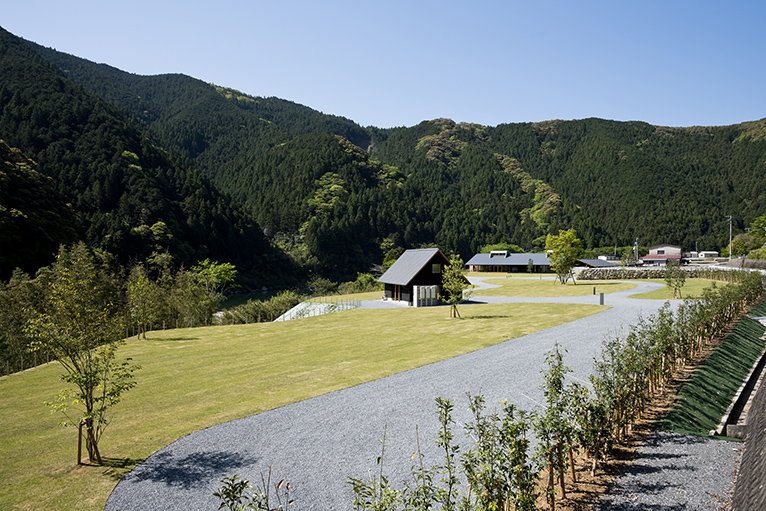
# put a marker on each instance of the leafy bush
(364, 283)
(261, 311)
(237, 494)
(496, 467)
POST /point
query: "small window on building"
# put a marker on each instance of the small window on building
(436, 268)
(660, 252)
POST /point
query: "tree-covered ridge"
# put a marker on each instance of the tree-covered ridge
(632, 179)
(297, 119)
(756, 130)
(210, 125)
(34, 218)
(447, 145)
(129, 197)
(276, 172)
(547, 202)
(337, 196)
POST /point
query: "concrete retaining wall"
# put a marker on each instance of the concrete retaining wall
(750, 490)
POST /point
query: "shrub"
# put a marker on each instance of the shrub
(261, 311)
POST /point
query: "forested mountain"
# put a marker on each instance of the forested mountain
(613, 181)
(34, 219)
(127, 196)
(207, 124)
(306, 175)
(631, 179)
(336, 195)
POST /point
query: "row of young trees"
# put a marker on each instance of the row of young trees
(501, 469)
(77, 310)
(146, 296)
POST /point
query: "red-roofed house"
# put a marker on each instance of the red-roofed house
(659, 255)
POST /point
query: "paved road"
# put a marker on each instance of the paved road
(319, 443)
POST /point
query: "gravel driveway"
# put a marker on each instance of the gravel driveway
(319, 443)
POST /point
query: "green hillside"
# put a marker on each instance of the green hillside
(34, 218)
(662, 185)
(127, 195)
(336, 196)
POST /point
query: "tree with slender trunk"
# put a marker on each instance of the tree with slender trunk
(143, 299)
(79, 325)
(675, 277)
(563, 252)
(454, 284)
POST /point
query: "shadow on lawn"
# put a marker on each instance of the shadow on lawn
(118, 467)
(188, 470)
(488, 316)
(179, 338)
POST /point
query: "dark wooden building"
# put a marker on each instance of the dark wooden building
(416, 277)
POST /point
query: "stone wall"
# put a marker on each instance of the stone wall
(657, 272)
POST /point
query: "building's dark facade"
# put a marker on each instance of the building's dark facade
(414, 268)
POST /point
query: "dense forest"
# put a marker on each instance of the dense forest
(121, 192)
(168, 162)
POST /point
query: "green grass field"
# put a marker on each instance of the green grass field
(196, 378)
(692, 289)
(528, 286)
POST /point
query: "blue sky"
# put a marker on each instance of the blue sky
(396, 63)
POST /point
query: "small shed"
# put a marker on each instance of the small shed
(416, 277)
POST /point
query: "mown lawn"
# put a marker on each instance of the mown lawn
(526, 285)
(196, 378)
(531, 285)
(693, 288)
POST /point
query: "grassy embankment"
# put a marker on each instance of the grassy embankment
(195, 378)
(704, 398)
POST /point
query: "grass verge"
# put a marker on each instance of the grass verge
(196, 378)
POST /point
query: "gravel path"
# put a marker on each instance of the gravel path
(673, 472)
(319, 443)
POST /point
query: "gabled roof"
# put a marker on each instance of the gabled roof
(665, 245)
(509, 260)
(597, 263)
(409, 264)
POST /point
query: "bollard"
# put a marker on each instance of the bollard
(601, 299)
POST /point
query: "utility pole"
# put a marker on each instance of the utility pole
(731, 249)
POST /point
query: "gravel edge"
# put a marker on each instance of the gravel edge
(673, 471)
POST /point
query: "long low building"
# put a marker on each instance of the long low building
(501, 261)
